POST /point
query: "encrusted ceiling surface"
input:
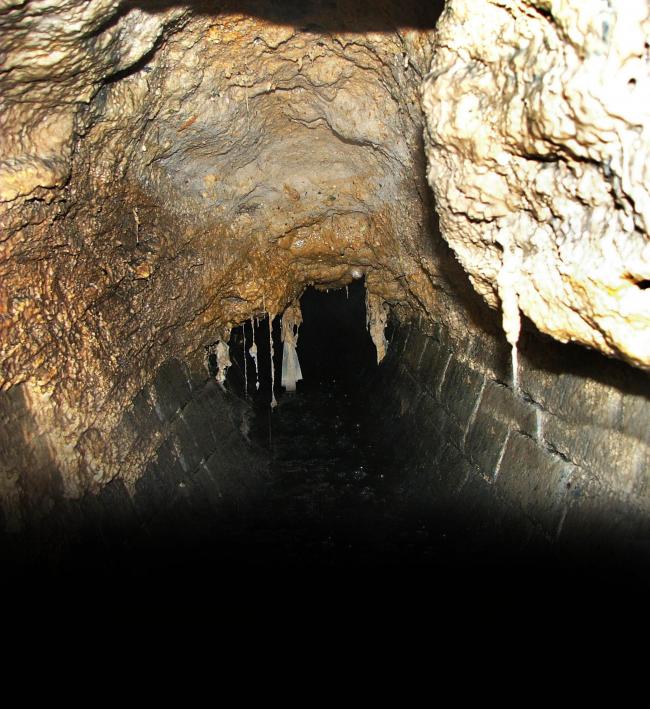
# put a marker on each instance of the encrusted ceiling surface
(538, 147)
(168, 171)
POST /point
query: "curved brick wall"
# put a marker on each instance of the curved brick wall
(191, 440)
(564, 461)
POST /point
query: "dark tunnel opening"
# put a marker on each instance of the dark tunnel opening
(334, 346)
(330, 500)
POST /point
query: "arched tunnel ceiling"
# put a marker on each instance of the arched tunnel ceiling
(170, 169)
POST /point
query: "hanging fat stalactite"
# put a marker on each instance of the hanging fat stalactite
(223, 362)
(252, 351)
(376, 320)
(243, 329)
(291, 373)
(274, 403)
(507, 280)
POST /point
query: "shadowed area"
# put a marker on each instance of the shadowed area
(321, 15)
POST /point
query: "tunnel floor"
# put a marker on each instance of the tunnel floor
(331, 499)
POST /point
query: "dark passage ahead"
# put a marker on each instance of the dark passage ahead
(334, 498)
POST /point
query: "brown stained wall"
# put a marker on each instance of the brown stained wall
(211, 165)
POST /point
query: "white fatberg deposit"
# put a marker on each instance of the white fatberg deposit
(538, 143)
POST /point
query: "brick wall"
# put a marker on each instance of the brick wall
(182, 430)
(564, 458)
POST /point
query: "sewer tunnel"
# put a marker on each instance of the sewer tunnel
(465, 275)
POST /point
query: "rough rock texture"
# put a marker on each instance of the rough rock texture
(538, 147)
(55, 56)
(169, 171)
